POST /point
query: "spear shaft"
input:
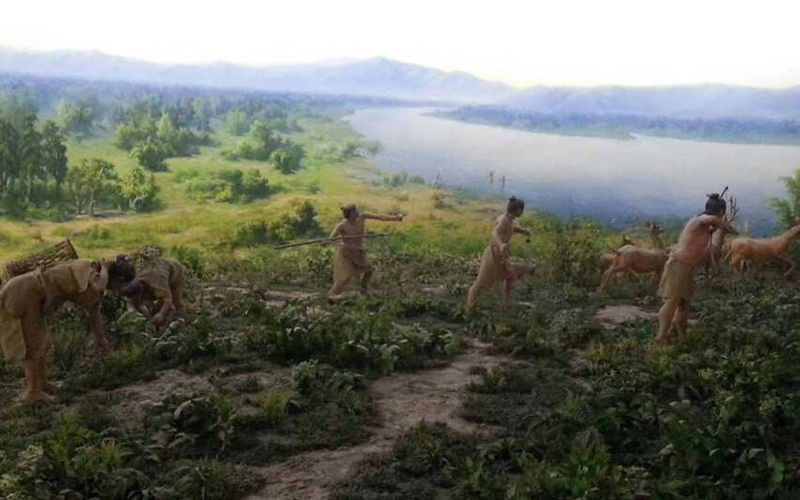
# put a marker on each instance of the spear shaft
(326, 240)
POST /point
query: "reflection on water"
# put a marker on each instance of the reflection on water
(608, 179)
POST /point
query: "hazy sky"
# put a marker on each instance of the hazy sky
(564, 42)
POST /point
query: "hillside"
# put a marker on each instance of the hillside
(373, 77)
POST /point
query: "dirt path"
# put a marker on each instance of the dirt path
(402, 401)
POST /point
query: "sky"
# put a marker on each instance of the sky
(523, 43)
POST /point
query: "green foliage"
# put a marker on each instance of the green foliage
(274, 408)
(91, 182)
(303, 224)
(288, 159)
(237, 123)
(259, 145)
(228, 185)
(151, 155)
(139, 189)
(788, 210)
(76, 117)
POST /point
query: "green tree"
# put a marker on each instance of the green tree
(30, 157)
(90, 182)
(54, 154)
(139, 189)
(288, 159)
(237, 123)
(264, 141)
(151, 155)
(9, 156)
(76, 117)
(788, 210)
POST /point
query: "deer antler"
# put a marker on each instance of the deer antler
(733, 210)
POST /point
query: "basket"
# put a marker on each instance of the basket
(61, 252)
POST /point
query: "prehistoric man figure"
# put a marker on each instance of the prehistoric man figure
(351, 259)
(494, 264)
(677, 281)
(158, 284)
(28, 300)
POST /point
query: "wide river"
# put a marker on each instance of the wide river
(609, 179)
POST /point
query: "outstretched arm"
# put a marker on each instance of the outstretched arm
(521, 230)
(337, 231)
(714, 222)
(385, 218)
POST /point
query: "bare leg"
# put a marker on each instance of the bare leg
(365, 280)
(474, 290)
(681, 319)
(176, 297)
(665, 317)
(508, 286)
(337, 287)
(96, 321)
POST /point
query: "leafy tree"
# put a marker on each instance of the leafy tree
(90, 182)
(139, 189)
(9, 155)
(76, 117)
(788, 211)
(54, 154)
(255, 185)
(150, 155)
(288, 159)
(237, 123)
(307, 224)
(264, 141)
(31, 157)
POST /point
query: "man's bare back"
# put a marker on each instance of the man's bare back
(694, 239)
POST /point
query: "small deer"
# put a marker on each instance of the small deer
(639, 260)
(716, 245)
(760, 249)
(605, 260)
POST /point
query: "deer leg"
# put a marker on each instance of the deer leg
(785, 257)
(607, 277)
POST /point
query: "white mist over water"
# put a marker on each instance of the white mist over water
(608, 179)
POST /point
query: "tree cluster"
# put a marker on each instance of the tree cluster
(153, 131)
(264, 144)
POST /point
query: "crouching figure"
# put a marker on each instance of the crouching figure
(28, 301)
(156, 291)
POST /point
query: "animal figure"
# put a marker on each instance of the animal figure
(716, 246)
(630, 258)
(744, 250)
(605, 260)
(156, 291)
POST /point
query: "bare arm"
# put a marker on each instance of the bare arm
(385, 218)
(521, 230)
(337, 231)
(713, 222)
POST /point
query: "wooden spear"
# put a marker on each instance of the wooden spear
(325, 240)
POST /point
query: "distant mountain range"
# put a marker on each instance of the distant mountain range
(387, 78)
(371, 77)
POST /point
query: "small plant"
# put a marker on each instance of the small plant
(274, 408)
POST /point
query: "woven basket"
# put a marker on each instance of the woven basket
(61, 252)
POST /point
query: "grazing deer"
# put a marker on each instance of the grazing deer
(639, 260)
(715, 248)
(753, 249)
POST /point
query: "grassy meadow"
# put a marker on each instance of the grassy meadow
(264, 367)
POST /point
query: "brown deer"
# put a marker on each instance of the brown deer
(639, 260)
(605, 260)
(716, 245)
(754, 249)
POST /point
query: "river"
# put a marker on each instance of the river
(612, 180)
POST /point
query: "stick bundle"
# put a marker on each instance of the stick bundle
(61, 252)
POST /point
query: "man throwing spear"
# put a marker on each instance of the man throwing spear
(351, 259)
(494, 264)
(677, 281)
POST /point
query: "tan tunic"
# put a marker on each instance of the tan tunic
(27, 300)
(494, 266)
(350, 262)
(677, 280)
